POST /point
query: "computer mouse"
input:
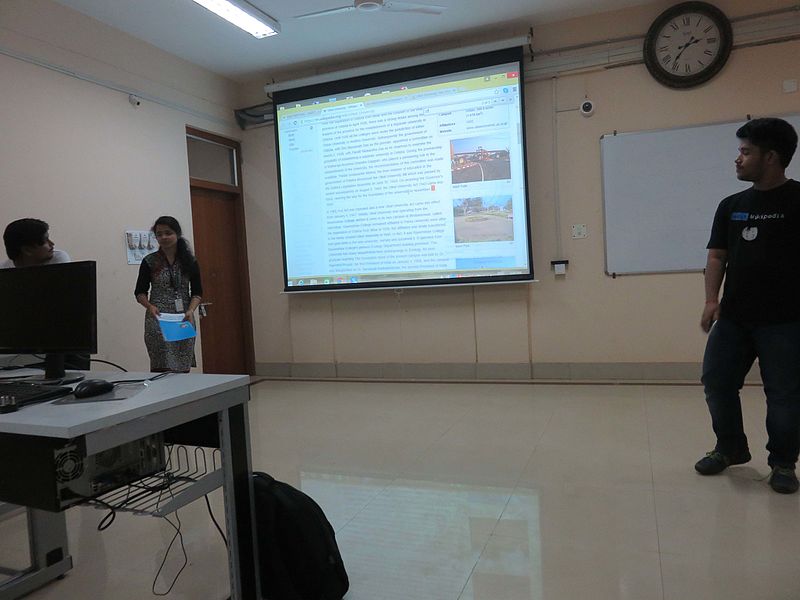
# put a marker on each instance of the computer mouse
(92, 387)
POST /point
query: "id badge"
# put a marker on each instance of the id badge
(179, 305)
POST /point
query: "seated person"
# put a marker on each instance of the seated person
(28, 244)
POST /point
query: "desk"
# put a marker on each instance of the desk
(175, 400)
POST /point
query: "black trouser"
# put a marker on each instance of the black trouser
(730, 352)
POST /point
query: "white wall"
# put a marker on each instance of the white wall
(79, 156)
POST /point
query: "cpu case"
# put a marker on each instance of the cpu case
(54, 475)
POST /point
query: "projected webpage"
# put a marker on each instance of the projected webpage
(410, 181)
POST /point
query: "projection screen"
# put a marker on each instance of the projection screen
(412, 177)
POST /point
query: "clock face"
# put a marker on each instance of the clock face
(688, 44)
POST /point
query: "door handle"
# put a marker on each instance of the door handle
(202, 309)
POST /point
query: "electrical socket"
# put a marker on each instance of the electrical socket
(579, 232)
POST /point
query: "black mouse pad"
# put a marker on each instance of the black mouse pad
(118, 393)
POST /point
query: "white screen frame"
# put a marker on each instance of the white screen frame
(297, 111)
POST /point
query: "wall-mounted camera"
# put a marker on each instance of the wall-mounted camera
(135, 101)
(587, 108)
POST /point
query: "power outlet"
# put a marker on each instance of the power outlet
(579, 232)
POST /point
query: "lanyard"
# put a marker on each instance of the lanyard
(171, 272)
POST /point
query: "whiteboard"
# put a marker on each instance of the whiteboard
(661, 190)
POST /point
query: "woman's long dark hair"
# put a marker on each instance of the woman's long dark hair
(183, 253)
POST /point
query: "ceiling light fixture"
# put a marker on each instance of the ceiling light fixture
(244, 15)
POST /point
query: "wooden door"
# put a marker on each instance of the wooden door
(226, 330)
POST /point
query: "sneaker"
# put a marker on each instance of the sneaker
(783, 480)
(716, 462)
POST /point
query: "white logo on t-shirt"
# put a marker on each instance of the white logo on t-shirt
(750, 233)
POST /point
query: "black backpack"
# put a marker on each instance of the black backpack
(297, 552)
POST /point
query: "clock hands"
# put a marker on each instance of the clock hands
(692, 40)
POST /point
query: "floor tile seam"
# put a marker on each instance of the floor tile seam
(536, 445)
(502, 512)
(516, 485)
(374, 497)
(753, 560)
(475, 564)
(571, 546)
(362, 509)
(653, 492)
(507, 501)
(690, 490)
(758, 483)
(639, 488)
(383, 491)
(420, 455)
(584, 543)
(585, 424)
(590, 542)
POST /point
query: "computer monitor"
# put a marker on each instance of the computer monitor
(51, 310)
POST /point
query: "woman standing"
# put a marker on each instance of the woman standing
(172, 277)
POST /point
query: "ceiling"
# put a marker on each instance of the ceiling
(187, 30)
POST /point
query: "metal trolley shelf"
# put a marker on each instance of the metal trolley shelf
(190, 473)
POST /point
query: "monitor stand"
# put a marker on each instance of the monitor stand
(54, 373)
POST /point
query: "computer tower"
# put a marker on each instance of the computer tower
(53, 475)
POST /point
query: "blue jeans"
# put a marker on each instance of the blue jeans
(730, 352)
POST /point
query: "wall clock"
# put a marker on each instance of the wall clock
(688, 44)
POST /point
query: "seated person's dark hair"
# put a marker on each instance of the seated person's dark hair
(771, 134)
(24, 232)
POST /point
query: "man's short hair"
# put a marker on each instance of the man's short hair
(24, 232)
(771, 134)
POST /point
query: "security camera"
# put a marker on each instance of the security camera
(587, 108)
(135, 101)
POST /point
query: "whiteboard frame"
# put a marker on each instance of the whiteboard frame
(727, 182)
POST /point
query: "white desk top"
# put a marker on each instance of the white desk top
(67, 421)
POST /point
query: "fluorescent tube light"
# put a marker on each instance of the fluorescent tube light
(253, 21)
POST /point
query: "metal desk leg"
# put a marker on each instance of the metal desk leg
(239, 508)
(47, 534)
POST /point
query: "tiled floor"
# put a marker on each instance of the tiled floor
(485, 492)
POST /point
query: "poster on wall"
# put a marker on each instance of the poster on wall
(138, 244)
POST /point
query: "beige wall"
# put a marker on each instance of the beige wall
(556, 324)
(79, 156)
(588, 316)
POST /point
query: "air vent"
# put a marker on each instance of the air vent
(69, 466)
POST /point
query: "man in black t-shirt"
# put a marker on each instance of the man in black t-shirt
(755, 248)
